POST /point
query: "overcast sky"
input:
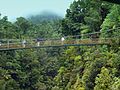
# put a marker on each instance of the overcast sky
(16, 8)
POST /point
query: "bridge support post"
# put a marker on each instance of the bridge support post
(8, 44)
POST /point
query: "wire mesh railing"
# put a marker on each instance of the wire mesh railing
(90, 38)
(33, 43)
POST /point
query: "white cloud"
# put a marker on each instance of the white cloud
(16, 8)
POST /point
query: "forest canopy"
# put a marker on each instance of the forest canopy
(64, 68)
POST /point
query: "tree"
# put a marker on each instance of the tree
(112, 21)
(23, 26)
(7, 29)
(84, 16)
(104, 80)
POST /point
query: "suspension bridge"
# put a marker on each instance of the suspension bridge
(91, 40)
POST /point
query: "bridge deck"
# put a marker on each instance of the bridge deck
(14, 45)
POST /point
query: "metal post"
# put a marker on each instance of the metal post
(8, 44)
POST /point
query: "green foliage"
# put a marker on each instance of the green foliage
(116, 84)
(48, 25)
(111, 21)
(29, 69)
(84, 16)
(69, 68)
(104, 80)
(7, 29)
(78, 84)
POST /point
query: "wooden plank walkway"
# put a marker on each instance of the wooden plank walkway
(17, 44)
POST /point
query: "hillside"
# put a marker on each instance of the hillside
(44, 17)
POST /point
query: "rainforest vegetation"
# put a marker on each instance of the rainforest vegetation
(63, 68)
